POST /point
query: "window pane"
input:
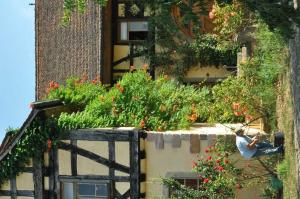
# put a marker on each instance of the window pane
(192, 183)
(68, 191)
(138, 26)
(86, 189)
(123, 31)
(101, 190)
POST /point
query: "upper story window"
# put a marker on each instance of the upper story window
(131, 19)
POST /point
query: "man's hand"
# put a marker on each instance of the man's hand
(252, 144)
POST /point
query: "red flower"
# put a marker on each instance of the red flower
(194, 164)
(219, 168)
(218, 161)
(205, 180)
(49, 144)
(209, 158)
(207, 151)
(226, 161)
(94, 81)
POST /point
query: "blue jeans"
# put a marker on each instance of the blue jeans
(266, 148)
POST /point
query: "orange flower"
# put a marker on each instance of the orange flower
(49, 144)
(145, 67)
(142, 123)
(249, 117)
(226, 161)
(193, 117)
(121, 89)
(236, 113)
(235, 106)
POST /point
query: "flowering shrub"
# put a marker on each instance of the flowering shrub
(136, 100)
(217, 174)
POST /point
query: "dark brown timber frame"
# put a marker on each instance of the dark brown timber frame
(134, 176)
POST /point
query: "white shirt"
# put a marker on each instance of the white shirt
(241, 143)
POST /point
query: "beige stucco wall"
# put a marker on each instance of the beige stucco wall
(121, 51)
(25, 181)
(5, 197)
(5, 186)
(207, 72)
(161, 161)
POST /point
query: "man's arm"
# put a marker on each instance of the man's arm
(251, 145)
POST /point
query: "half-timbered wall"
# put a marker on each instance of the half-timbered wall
(110, 160)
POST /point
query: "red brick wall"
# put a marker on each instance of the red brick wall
(65, 51)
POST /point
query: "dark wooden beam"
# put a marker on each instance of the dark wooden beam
(27, 193)
(73, 158)
(112, 158)
(78, 178)
(130, 56)
(98, 135)
(13, 188)
(94, 157)
(51, 175)
(126, 194)
(27, 170)
(56, 174)
(134, 164)
(38, 178)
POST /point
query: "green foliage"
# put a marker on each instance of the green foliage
(71, 6)
(279, 15)
(255, 88)
(283, 169)
(33, 142)
(77, 92)
(176, 47)
(217, 173)
(138, 101)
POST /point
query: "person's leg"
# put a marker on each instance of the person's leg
(264, 144)
(268, 151)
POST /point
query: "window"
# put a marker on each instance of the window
(131, 20)
(189, 179)
(85, 190)
(188, 182)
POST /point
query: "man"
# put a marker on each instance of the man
(252, 147)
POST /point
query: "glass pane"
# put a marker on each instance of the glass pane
(86, 189)
(192, 183)
(123, 32)
(138, 26)
(101, 190)
(68, 191)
